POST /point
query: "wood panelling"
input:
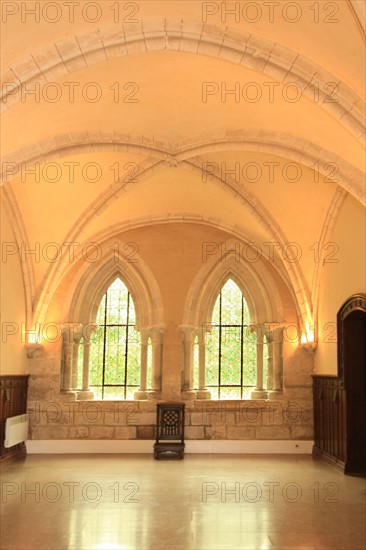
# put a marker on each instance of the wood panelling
(13, 401)
(340, 401)
(330, 418)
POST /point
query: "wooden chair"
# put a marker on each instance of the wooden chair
(169, 431)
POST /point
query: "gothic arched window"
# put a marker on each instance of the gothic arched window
(230, 347)
(115, 351)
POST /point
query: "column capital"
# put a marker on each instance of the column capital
(88, 330)
(203, 328)
(188, 331)
(156, 329)
(71, 328)
(145, 335)
(269, 337)
(157, 333)
(77, 336)
(272, 327)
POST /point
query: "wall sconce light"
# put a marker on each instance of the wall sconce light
(32, 344)
(308, 343)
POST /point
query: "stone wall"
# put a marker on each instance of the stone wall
(54, 415)
(235, 420)
(286, 415)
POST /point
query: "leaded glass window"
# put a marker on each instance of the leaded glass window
(149, 363)
(230, 347)
(196, 349)
(115, 351)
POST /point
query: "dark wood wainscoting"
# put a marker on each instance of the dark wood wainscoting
(340, 401)
(330, 419)
(13, 401)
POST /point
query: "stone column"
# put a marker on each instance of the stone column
(75, 360)
(68, 355)
(269, 337)
(86, 365)
(67, 359)
(259, 392)
(277, 361)
(157, 344)
(188, 342)
(86, 392)
(142, 393)
(202, 392)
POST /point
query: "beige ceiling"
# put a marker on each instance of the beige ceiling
(168, 133)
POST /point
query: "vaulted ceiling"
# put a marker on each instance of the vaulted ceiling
(159, 109)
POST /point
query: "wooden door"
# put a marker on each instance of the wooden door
(352, 361)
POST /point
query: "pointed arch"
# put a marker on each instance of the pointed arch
(93, 282)
(281, 144)
(255, 280)
(184, 35)
(264, 294)
(79, 318)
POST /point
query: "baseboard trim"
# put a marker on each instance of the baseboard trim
(68, 446)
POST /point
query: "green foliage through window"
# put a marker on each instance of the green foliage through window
(114, 367)
(196, 349)
(230, 347)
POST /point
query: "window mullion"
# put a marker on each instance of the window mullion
(126, 346)
(220, 337)
(104, 341)
(242, 348)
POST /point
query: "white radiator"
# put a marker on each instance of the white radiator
(16, 430)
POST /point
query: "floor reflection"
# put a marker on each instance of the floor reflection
(205, 502)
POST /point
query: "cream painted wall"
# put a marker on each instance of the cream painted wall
(13, 356)
(340, 280)
(175, 253)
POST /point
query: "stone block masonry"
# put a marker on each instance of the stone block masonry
(205, 419)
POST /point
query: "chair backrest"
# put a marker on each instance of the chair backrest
(170, 421)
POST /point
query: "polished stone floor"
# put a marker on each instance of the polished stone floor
(205, 502)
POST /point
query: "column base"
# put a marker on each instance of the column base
(259, 394)
(203, 394)
(275, 394)
(86, 395)
(69, 395)
(141, 395)
(188, 395)
(147, 395)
